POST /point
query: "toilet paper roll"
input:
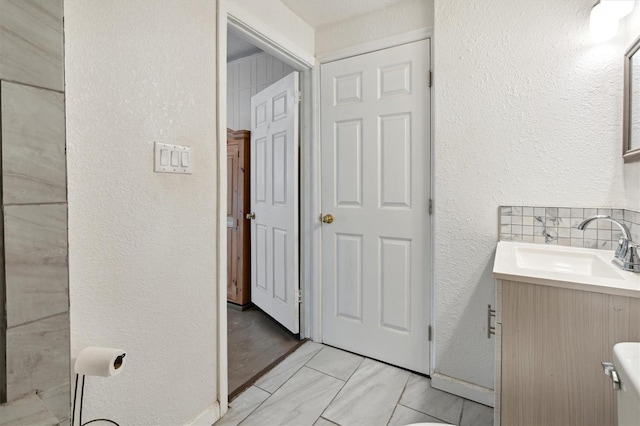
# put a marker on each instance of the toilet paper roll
(97, 361)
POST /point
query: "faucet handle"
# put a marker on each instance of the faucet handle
(621, 251)
(632, 259)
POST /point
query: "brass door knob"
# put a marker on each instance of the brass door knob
(327, 218)
(251, 216)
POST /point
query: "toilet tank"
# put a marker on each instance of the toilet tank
(626, 359)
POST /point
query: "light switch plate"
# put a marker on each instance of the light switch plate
(172, 158)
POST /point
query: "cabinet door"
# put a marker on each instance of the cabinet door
(553, 341)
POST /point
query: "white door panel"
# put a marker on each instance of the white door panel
(274, 200)
(376, 184)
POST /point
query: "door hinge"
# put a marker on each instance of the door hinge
(298, 97)
(430, 331)
(430, 78)
(298, 295)
(430, 206)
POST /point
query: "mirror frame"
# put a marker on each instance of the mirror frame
(627, 153)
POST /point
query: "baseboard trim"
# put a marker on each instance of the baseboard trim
(208, 416)
(464, 389)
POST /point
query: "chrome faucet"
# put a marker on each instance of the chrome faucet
(626, 256)
(625, 231)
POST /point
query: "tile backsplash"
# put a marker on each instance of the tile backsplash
(559, 225)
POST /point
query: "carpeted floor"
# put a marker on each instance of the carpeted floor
(255, 343)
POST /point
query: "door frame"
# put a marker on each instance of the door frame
(232, 16)
(316, 310)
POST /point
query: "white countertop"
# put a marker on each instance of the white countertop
(564, 267)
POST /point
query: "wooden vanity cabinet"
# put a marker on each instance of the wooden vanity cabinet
(238, 228)
(550, 342)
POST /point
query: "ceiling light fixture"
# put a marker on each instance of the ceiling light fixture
(618, 8)
(605, 16)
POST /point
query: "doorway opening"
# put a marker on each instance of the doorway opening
(262, 292)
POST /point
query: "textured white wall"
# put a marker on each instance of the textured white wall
(528, 111)
(143, 245)
(398, 18)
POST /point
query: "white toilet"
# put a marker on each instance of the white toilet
(626, 361)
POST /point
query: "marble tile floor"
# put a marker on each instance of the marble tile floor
(322, 385)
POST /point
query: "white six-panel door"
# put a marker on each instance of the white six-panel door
(274, 201)
(376, 185)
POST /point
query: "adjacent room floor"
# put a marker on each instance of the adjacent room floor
(321, 385)
(255, 343)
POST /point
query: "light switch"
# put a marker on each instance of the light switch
(164, 157)
(172, 159)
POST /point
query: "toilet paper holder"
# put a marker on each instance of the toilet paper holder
(95, 361)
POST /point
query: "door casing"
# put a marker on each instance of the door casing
(232, 16)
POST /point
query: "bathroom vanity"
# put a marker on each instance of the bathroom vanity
(559, 312)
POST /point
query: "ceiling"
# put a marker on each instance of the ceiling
(316, 13)
(238, 47)
(321, 12)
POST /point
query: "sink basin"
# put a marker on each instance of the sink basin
(577, 263)
(566, 267)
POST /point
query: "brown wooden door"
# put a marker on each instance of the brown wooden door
(232, 221)
(238, 230)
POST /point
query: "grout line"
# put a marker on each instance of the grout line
(461, 411)
(403, 391)
(338, 393)
(399, 398)
(37, 320)
(331, 402)
(326, 420)
(4, 80)
(431, 415)
(254, 410)
(46, 203)
(326, 374)
(301, 367)
(392, 413)
(258, 388)
(294, 373)
(438, 390)
(355, 369)
(314, 355)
